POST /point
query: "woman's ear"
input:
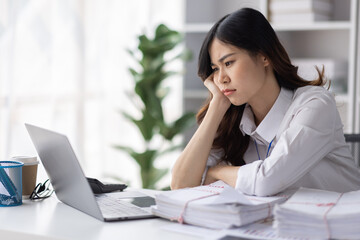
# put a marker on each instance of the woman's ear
(264, 60)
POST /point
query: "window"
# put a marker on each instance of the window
(63, 66)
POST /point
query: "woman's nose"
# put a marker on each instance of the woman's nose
(223, 77)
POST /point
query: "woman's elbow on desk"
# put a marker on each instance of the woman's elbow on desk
(175, 186)
(185, 177)
(177, 183)
(252, 179)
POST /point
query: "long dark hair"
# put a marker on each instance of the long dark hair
(249, 30)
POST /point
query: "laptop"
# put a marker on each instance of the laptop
(72, 187)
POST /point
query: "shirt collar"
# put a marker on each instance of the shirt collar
(269, 126)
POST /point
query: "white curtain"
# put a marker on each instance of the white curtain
(63, 66)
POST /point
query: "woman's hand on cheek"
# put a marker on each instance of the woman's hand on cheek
(217, 95)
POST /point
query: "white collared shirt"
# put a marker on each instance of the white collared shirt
(308, 147)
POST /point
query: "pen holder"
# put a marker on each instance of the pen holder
(10, 183)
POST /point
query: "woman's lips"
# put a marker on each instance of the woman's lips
(228, 92)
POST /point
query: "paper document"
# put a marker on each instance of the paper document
(323, 214)
(259, 230)
(216, 206)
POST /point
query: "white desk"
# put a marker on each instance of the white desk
(51, 219)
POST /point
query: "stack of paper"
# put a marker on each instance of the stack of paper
(300, 11)
(216, 206)
(319, 214)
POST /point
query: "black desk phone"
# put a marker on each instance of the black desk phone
(99, 187)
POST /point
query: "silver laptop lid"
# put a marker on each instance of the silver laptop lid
(64, 170)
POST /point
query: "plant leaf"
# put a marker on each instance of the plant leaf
(169, 149)
(148, 77)
(152, 103)
(150, 178)
(146, 124)
(184, 122)
(144, 159)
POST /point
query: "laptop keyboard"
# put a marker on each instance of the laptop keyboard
(114, 207)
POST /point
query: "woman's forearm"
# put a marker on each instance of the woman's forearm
(227, 174)
(189, 167)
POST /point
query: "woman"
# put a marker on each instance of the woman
(264, 129)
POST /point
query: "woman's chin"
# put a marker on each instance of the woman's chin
(236, 102)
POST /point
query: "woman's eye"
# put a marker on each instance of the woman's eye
(215, 69)
(228, 63)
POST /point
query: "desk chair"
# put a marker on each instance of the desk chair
(354, 142)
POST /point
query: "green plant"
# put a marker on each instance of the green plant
(150, 90)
